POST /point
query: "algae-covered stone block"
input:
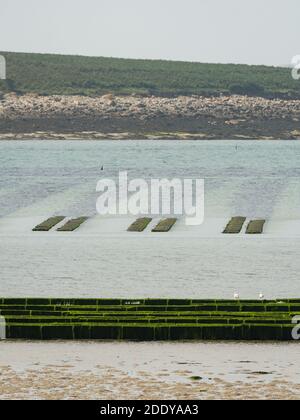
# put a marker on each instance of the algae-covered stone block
(227, 308)
(183, 302)
(139, 333)
(263, 332)
(72, 224)
(61, 301)
(106, 332)
(235, 225)
(161, 333)
(186, 332)
(48, 224)
(38, 301)
(221, 332)
(253, 308)
(255, 227)
(14, 301)
(277, 308)
(165, 225)
(57, 332)
(158, 302)
(82, 332)
(25, 332)
(85, 302)
(109, 302)
(139, 225)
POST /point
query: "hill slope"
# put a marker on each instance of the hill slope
(49, 74)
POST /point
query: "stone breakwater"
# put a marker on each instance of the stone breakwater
(119, 117)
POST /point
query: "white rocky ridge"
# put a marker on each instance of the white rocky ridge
(109, 106)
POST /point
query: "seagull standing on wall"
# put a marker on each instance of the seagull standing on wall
(261, 296)
(236, 296)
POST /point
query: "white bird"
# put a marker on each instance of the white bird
(236, 296)
(261, 296)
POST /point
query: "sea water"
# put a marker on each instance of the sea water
(255, 179)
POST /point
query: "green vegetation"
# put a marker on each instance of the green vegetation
(255, 227)
(48, 224)
(49, 74)
(235, 225)
(72, 224)
(139, 225)
(164, 225)
(153, 319)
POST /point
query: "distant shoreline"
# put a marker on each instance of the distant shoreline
(98, 136)
(155, 118)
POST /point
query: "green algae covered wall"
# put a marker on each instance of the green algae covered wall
(148, 319)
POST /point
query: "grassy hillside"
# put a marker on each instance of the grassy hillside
(57, 74)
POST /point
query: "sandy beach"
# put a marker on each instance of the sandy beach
(131, 370)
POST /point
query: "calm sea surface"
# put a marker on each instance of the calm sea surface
(256, 179)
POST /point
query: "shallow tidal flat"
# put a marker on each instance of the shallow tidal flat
(109, 370)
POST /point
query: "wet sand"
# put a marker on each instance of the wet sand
(129, 370)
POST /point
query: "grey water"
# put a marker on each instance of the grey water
(251, 178)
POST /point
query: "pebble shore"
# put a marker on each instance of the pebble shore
(127, 117)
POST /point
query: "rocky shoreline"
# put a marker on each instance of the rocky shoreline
(133, 117)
